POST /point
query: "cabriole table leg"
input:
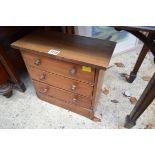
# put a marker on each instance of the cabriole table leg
(145, 100)
(140, 59)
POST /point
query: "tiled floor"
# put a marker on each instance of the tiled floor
(25, 110)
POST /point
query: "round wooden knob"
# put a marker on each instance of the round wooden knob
(74, 100)
(73, 87)
(72, 71)
(37, 62)
(42, 77)
(45, 90)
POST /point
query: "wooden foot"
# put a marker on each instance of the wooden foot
(20, 86)
(6, 89)
(140, 59)
(144, 101)
(129, 123)
(132, 77)
(8, 94)
(96, 119)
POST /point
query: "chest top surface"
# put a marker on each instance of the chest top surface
(72, 48)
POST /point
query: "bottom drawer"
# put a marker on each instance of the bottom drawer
(66, 96)
(74, 108)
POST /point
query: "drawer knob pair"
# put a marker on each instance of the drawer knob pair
(45, 90)
(37, 62)
(74, 100)
(42, 77)
(72, 71)
(73, 87)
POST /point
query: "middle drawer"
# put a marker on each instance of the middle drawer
(59, 81)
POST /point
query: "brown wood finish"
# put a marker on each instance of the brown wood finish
(10, 57)
(70, 30)
(7, 63)
(140, 59)
(58, 67)
(82, 111)
(61, 82)
(3, 75)
(5, 86)
(77, 49)
(144, 101)
(66, 96)
(149, 93)
(73, 78)
(98, 86)
(11, 70)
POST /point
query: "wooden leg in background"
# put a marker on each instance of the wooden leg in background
(5, 86)
(140, 59)
(6, 89)
(18, 84)
(145, 100)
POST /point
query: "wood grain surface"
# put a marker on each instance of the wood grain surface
(77, 49)
(66, 96)
(72, 107)
(59, 67)
(61, 82)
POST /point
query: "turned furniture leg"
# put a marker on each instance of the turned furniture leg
(140, 59)
(145, 100)
(6, 89)
(5, 86)
(18, 84)
(148, 94)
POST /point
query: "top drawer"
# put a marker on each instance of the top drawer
(59, 67)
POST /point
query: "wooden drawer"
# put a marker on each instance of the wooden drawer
(68, 97)
(72, 107)
(59, 81)
(59, 67)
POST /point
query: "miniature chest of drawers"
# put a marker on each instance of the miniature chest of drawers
(66, 70)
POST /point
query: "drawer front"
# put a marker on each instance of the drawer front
(59, 81)
(59, 67)
(69, 97)
(72, 107)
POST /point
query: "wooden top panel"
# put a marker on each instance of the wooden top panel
(73, 48)
(137, 28)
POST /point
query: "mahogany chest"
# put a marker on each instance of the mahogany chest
(66, 70)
